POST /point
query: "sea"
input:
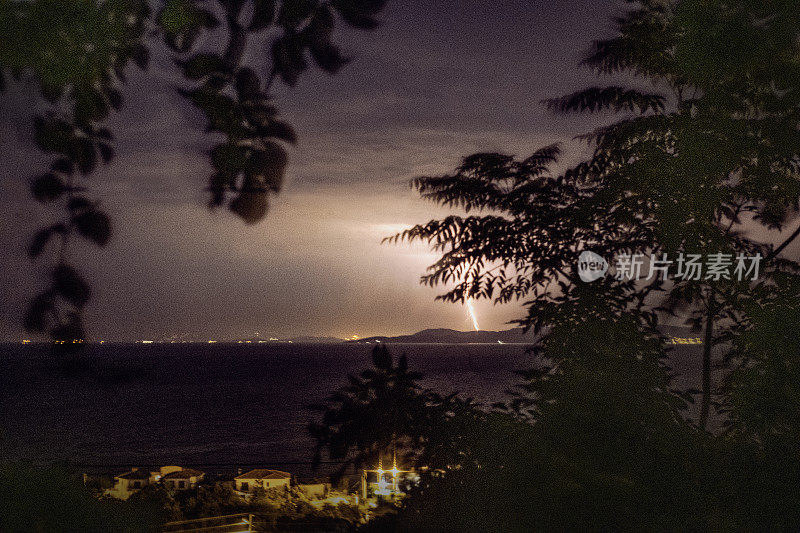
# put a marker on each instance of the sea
(216, 407)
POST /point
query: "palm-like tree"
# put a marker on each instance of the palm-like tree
(380, 411)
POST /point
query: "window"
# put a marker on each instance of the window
(245, 485)
(181, 484)
(137, 485)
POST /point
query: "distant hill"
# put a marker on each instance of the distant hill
(509, 336)
(452, 336)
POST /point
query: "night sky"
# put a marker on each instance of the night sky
(437, 81)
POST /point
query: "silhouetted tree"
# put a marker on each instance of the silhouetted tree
(381, 410)
(709, 153)
(763, 391)
(712, 149)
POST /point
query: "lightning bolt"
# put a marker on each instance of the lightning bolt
(471, 311)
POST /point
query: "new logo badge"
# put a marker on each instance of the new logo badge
(591, 266)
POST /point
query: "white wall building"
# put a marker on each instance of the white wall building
(130, 482)
(261, 478)
(173, 477)
(186, 478)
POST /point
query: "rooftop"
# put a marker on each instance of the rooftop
(264, 473)
(186, 473)
(134, 474)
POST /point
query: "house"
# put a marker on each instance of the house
(314, 490)
(130, 482)
(173, 477)
(261, 478)
(185, 478)
(164, 470)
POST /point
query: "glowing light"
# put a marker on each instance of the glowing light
(471, 311)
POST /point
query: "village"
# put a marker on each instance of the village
(195, 500)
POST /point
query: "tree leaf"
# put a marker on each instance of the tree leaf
(294, 12)
(268, 166)
(36, 316)
(229, 158)
(69, 284)
(247, 84)
(202, 65)
(63, 165)
(80, 203)
(94, 225)
(250, 206)
(48, 187)
(85, 155)
(106, 152)
(359, 13)
(53, 135)
(141, 56)
(39, 241)
(279, 130)
(114, 98)
(600, 99)
(328, 58)
(288, 58)
(90, 106)
(42, 237)
(263, 14)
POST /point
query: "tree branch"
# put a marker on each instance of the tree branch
(783, 245)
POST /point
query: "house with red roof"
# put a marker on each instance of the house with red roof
(173, 477)
(261, 478)
(185, 478)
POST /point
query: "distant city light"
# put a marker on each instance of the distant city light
(685, 340)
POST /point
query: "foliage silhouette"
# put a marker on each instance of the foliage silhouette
(78, 53)
(689, 168)
(379, 411)
(595, 444)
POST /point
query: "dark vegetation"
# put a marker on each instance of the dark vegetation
(595, 437)
(277, 507)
